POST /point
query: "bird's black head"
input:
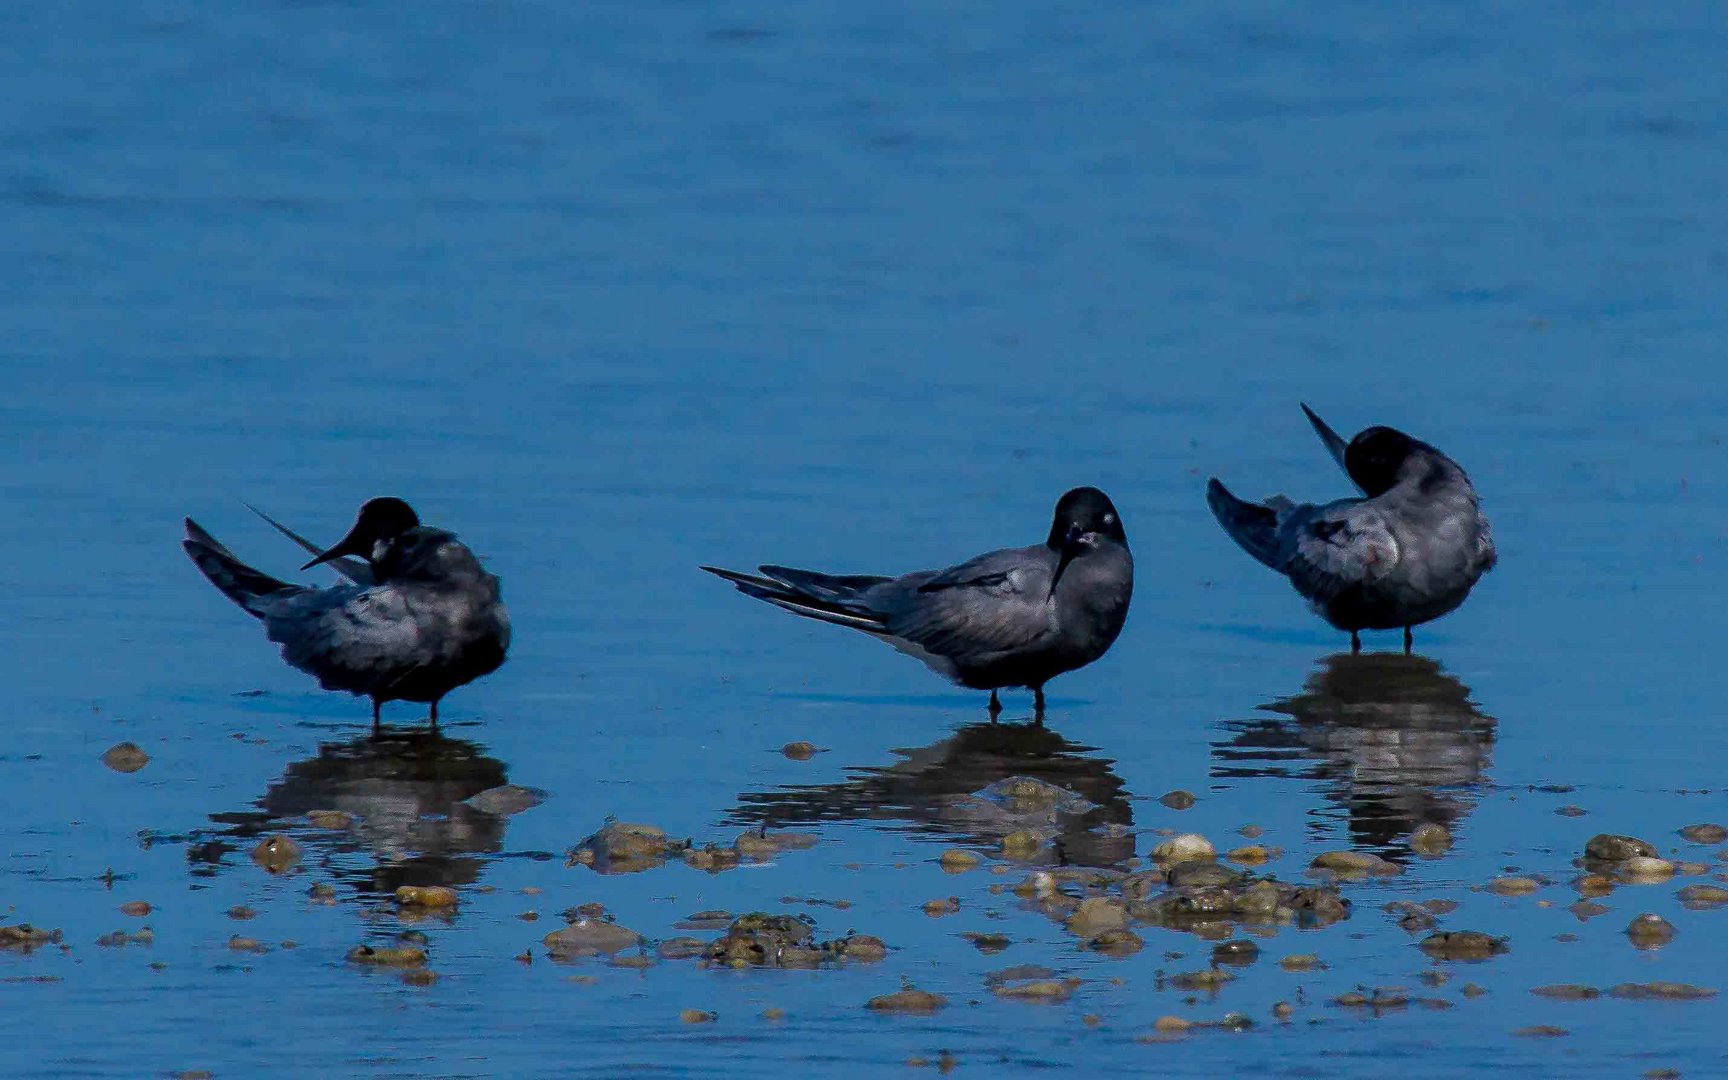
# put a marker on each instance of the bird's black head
(1375, 457)
(381, 522)
(1084, 518)
(1085, 512)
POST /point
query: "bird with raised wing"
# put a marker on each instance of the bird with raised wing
(419, 617)
(1015, 617)
(1406, 553)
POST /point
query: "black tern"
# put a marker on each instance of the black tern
(1016, 617)
(420, 618)
(1406, 554)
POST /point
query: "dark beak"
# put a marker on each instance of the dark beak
(1071, 546)
(1336, 444)
(352, 544)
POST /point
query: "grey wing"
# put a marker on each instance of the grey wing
(350, 638)
(1327, 549)
(993, 605)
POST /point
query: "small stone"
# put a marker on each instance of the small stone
(1571, 811)
(772, 1013)
(135, 908)
(238, 943)
(958, 861)
(1463, 945)
(1281, 1010)
(1248, 855)
(1513, 886)
(1123, 942)
(321, 893)
(1650, 931)
(987, 943)
(1301, 962)
(1186, 847)
(125, 757)
(864, 948)
(1471, 990)
(276, 853)
(1251, 832)
(1210, 979)
(1171, 1025)
(1612, 847)
(1566, 992)
(419, 977)
(1430, 839)
(1646, 870)
(1178, 799)
(938, 908)
(1541, 1031)
(910, 1000)
(1022, 844)
(1704, 834)
(799, 751)
(1355, 862)
(1586, 909)
(1044, 990)
(331, 819)
(440, 897)
(241, 913)
(1661, 991)
(1699, 897)
(585, 937)
(1237, 952)
(695, 1016)
(505, 800)
(1095, 915)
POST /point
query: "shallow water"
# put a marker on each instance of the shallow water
(620, 291)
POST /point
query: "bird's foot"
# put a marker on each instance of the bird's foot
(995, 706)
(1409, 641)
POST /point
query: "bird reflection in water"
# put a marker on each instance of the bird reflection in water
(404, 792)
(934, 791)
(1392, 740)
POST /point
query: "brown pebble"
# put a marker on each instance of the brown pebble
(772, 1013)
(1513, 886)
(938, 908)
(1471, 990)
(958, 861)
(1171, 1025)
(1661, 991)
(400, 956)
(125, 757)
(136, 908)
(1541, 1031)
(426, 896)
(1566, 992)
(276, 853)
(799, 751)
(1571, 811)
(1430, 839)
(1247, 855)
(1178, 799)
(241, 912)
(696, 1016)
(909, 1000)
(419, 977)
(1707, 833)
(331, 819)
(1650, 931)
(1463, 945)
(1301, 962)
(1702, 896)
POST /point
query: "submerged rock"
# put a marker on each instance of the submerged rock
(429, 897)
(1649, 931)
(1612, 847)
(622, 847)
(910, 1000)
(276, 853)
(763, 940)
(1700, 897)
(506, 800)
(1661, 991)
(1707, 833)
(1186, 847)
(125, 757)
(587, 937)
(1430, 840)
(1463, 945)
(1355, 863)
(397, 956)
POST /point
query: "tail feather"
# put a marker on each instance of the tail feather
(237, 581)
(1252, 526)
(823, 597)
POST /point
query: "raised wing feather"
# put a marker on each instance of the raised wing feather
(362, 640)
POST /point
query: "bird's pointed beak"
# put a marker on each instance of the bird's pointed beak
(1071, 547)
(352, 544)
(1335, 443)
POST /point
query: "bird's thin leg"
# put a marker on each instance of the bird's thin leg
(432, 715)
(1355, 643)
(376, 705)
(995, 706)
(1409, 640)
(1038, 705)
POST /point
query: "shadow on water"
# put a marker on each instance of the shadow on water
(404, 793)
(940, 790)
(1391, 740)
